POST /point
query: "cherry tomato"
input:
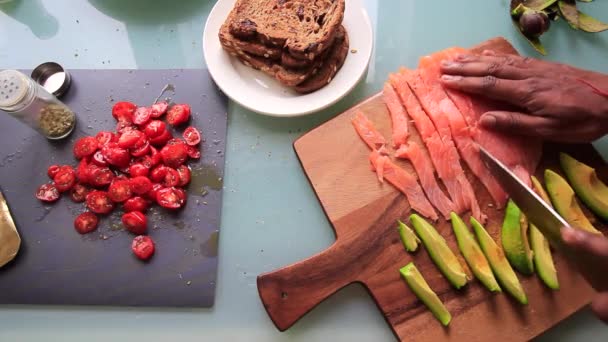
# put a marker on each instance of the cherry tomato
(145, 161)
(172, 178)
(178, 114)
(151, 195)
(65, 179)
(52, 171)
(79, 193)
(129, 138)
(100, 176)
(115, 155)
(174, 155)
(171, 198)
(85, 146)
(120, 191)
(135, 204)
(86, 223)
(162, 139)
(159, 108)
(138, 169)
(143, 247)
(140, 185)
(123, 126)
(99, 202)
(123, 111)
(47, 193)
(176, 141)
(135, 222)
(155, 128)
(141, 148)
(192, 136)
(105, 137)
(142, 115)
(194, 152)
(98, 159)
(184, 175)
(158, 173)
(156, 157)
(82, 171)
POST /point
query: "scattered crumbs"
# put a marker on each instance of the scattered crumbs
(180, 276)
(198, 202)
(104, 237)
(490, 205)
(188, 282)
(205, 202)
(261, 251)
(76, 55)
(191, 237)
(77, 21)
(172, 30)
(353, 51)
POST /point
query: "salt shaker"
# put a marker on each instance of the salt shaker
(27, 101)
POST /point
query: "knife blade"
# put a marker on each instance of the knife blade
(543, 216)
(10, 241)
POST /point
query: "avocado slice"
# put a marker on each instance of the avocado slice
(514, 236)
(563, 199)
(543, 260)
(588, 187)
(473, 254)
(408, 237)
(500, 266)
(423, 291)
(439, 251)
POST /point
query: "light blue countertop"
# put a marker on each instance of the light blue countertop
(270, 215)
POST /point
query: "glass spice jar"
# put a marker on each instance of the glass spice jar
(24, 99)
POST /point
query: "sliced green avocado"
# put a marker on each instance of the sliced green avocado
(543, 260)
(439, 251)
(514, 236)
(424, 292)
(590, 189)
(408, 237)
(473, 254)
(563, 199)
(500, 266)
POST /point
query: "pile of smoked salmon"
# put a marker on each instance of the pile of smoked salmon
(447, 122)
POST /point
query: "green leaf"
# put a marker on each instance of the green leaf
(588, 23)
(539, 5)
(569, 12)
(535, 42)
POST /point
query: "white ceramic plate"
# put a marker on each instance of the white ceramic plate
(263, 94)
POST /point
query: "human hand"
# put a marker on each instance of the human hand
(556, 101)
(590, 254)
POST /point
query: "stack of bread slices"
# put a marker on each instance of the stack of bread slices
(301, 43)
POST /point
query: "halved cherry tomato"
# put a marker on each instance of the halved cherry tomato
(85, 146)
(145, 161)
(82, 171)
(143, 247)
(65, 179)
(47, 193)
(52, 171)
(178, 114)
(135, 222)
(151, 195)
(184, 175)
(192, 136)
(174, 155)
(123, 126)
(129, 138)
(159, 108)
(86, 223)
(171, 198)
(138, 169)
(115, 155)
(162, 139)
(141, 148)
(100, 176)
(155, 128)
(171, 178)
(99, 202)
(156, 157)
(105, 137)
(123, 111)
(158, 173)
(140, 185)
(142, 115)
(194, 152)
(79, 193)
(135, 204)
(120, 191)
(98, 159)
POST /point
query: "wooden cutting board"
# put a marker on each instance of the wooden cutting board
(368, 249)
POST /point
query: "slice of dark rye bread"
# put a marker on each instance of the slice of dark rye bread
(303, 81)
(305, 28)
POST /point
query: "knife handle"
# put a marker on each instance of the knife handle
(291, 292)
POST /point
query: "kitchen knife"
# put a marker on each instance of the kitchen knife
(10, 241)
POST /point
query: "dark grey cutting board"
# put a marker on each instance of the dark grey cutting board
(56, 265)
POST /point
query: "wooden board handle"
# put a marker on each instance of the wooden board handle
(291, 292)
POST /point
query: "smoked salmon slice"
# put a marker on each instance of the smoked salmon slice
(398, 115)
(461, 134)
(426, 173)
(405, 182)
(368, 132)
(445, 160)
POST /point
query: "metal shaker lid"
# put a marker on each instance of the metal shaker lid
(13, 88)
(52, 77)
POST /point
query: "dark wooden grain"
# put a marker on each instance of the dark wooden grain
(368, 249)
